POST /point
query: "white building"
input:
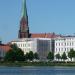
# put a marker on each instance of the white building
(26, 44)
(64, 44)
(40, 45)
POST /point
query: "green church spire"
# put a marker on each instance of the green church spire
(24, 29)
(24, 9)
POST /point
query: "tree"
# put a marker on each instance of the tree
(64, 57)
(10, 56)
(19, 55)
(71, 54)
(31, 56)
(50, 56)
(36, 56)
(58, 56)
(26, 56)
(15, 54)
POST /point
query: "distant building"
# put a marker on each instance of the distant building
(24, 27)
(3, 49)
(64, 44)
(40, 45)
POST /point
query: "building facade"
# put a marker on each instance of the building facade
(64, 44)
(4, 48)
(40, 45)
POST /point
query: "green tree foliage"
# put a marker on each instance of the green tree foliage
(36, 56)
(50, 56)
(10, 56)
(31, 56)
(58, 56)
(19, 55)
(14, 46)
(15, 54)
(71, 54)
(26, 56)
(64, 57)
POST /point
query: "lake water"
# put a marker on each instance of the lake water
(37, 70)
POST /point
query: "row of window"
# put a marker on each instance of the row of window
(24, 45)
(62, 49)
(64, 44)
(26, 49)
(68, 39)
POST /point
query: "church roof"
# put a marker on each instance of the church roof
(44, 35)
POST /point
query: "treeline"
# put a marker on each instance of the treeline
(16, 54)
(70, 54)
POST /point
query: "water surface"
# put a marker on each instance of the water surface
(37, 70)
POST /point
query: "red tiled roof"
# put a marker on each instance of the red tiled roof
(5, 47)
(44, 35)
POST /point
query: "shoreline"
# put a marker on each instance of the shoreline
(55, 64)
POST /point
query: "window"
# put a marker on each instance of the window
(56, 44)
(56, 49)
(65, 44)
(21, 45)
(59, 44)
(25, 45)
(72, 43)
(65, 49)
(59, 49)
(62, 44)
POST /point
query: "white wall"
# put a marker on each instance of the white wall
(64, 44)
(39, 45)
(26, 45)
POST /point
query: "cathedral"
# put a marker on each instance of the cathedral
(42, 43)
(24, 27)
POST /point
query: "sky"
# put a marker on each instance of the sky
(44, 16)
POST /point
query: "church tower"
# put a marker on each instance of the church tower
(24, 29)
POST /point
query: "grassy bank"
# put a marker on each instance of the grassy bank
(37, 64)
